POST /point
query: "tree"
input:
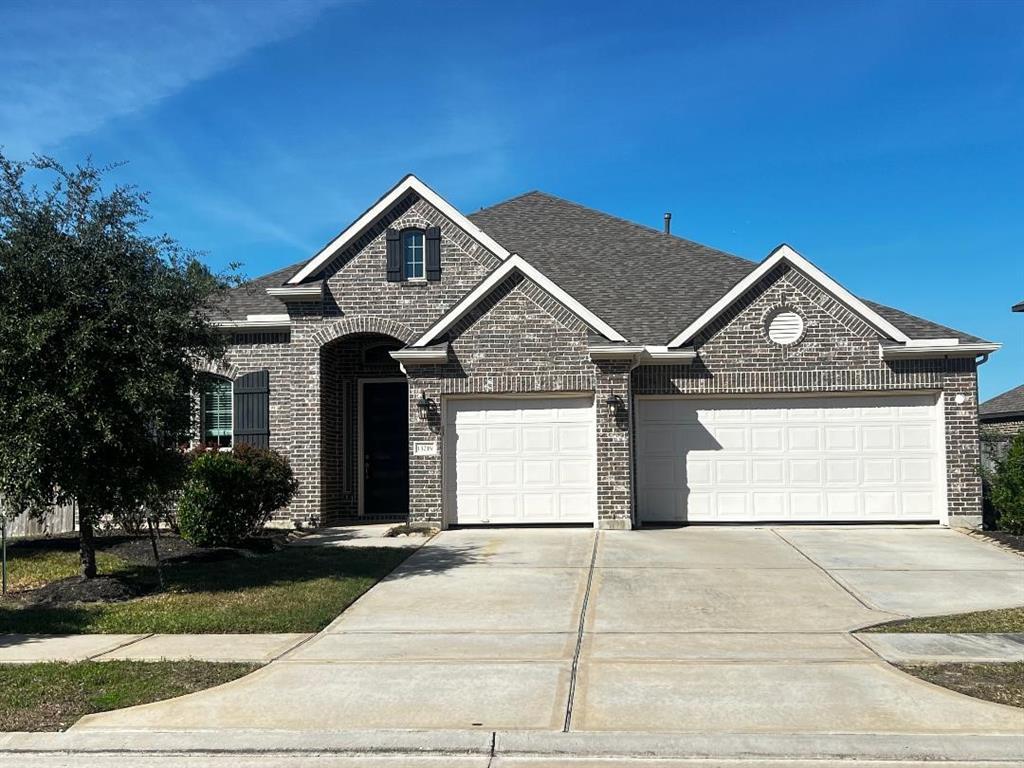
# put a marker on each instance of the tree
(103, 331)
(1007, 487)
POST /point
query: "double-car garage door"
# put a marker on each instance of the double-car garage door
(853, 458)
(802, 458)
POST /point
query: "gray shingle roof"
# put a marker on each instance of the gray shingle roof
(644, 283)
(648, 285)
(1006, 404)
(250, 298)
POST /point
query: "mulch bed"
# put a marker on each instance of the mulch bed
(77, 589)
(136, 550)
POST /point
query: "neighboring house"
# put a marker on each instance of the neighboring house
(542, 362)
(1002, 417)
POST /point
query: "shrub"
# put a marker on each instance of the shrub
(229, 496)
(1007, 488)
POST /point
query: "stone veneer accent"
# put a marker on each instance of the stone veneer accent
(838, 353)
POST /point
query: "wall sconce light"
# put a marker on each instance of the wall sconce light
(423, 405)
(614, 403)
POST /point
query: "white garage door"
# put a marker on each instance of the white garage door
(874, 458)
(524, 460)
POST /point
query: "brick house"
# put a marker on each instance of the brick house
(542, 362)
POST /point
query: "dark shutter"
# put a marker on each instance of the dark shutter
(394, 256)
(252, 409)
(433, 253)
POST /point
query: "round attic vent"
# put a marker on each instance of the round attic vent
(785, 327)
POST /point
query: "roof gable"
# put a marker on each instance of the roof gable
(794, 259)
(515, 263)
(378, 209)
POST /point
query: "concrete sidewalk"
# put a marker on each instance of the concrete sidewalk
(923, 648)
(259, 649)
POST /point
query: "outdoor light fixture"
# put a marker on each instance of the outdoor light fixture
(614, 402)
(423, 404)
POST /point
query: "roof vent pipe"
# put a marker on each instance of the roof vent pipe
(668, 223)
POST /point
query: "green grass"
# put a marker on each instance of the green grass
(52, 696)
(297, 589)
(1001, 683)
(30, 568)
(1002, 620)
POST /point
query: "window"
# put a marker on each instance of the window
(215, 411)
(412, 254)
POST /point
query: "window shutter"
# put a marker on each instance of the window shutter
(252, 409)
(394, 256)
(433, 253)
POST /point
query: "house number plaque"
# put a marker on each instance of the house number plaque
(424, 449)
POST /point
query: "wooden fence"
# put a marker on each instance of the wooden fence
(60, 519)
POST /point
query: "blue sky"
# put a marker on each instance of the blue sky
(881, 140)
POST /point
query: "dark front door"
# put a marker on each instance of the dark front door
(386, 448)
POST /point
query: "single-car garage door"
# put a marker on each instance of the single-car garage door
(520, 460)
(854, 458)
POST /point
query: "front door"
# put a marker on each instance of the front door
(385, 419)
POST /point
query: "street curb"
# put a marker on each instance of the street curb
(964, 747)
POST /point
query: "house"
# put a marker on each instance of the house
(1002, 416)
(542, 362)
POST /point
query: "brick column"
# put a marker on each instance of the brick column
(963, 450)
(426, 505)
(614, 459)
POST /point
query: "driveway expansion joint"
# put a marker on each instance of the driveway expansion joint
(579, 636)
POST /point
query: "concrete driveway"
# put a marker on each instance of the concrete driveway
(673, 631)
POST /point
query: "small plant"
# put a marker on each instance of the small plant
(230, 496)
(1007, 488)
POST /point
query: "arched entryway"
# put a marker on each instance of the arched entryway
(364, 429)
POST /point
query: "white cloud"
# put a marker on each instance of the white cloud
(66, 68)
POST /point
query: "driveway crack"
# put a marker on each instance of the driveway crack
(579, 636)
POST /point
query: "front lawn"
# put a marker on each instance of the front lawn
(52, 696)
(1001, 683)
(1001, 620)
(294, 589)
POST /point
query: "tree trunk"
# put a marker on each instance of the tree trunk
(86, 546)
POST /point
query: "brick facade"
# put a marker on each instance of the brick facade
(838, 352)
(520, 340)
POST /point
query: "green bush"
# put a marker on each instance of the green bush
(230, 496)
(1007, 488)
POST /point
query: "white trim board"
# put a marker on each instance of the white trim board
(395, 194)
(785, 253)
(919, 351)
(515, 262)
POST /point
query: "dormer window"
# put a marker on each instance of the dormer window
(413, 254)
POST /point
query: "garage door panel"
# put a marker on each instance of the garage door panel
(540, 472)
(539, 507)
(731, 472)
(809, 458)
(539, 438)
(696, 470)
(767, 471)
(521, 460)
(578, 473)
(766, 438)
(573, 438)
